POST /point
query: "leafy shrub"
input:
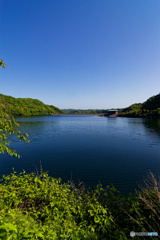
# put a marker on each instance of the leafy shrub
(42, 207)
(45, 202)
(8, 126)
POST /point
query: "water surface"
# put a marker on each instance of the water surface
(92, 149)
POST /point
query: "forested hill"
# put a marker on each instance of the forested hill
(81, 111)
(152, 103)
(88, 111)
(150, 108)
(27, 106)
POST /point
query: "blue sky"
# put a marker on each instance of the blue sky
(81, 54)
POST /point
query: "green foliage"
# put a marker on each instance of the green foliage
(15, 225)
(133, 107)
(41, 207)
(152, 103)
(28, 107)
(57, 110)
(150, 109)
(31, 205)
(2, 64)
(8, 126)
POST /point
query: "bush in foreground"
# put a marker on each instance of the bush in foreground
(42, 207)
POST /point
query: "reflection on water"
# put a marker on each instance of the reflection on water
(153, 126)
(118, 151)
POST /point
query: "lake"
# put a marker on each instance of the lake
(91, 149)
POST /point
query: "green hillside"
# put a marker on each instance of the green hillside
(152, 103)
(150, 108)
(28, 107)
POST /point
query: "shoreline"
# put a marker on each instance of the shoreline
(78, 114)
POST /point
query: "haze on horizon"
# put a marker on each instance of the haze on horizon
(81, 54)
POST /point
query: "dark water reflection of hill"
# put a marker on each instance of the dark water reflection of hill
(153, 126)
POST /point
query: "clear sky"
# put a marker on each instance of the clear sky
(81, 53)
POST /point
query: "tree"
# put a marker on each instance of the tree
(8, 126)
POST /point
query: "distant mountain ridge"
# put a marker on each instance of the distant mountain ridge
(28, 107)
(82, 111)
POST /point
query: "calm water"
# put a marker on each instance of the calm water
(92, 149)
